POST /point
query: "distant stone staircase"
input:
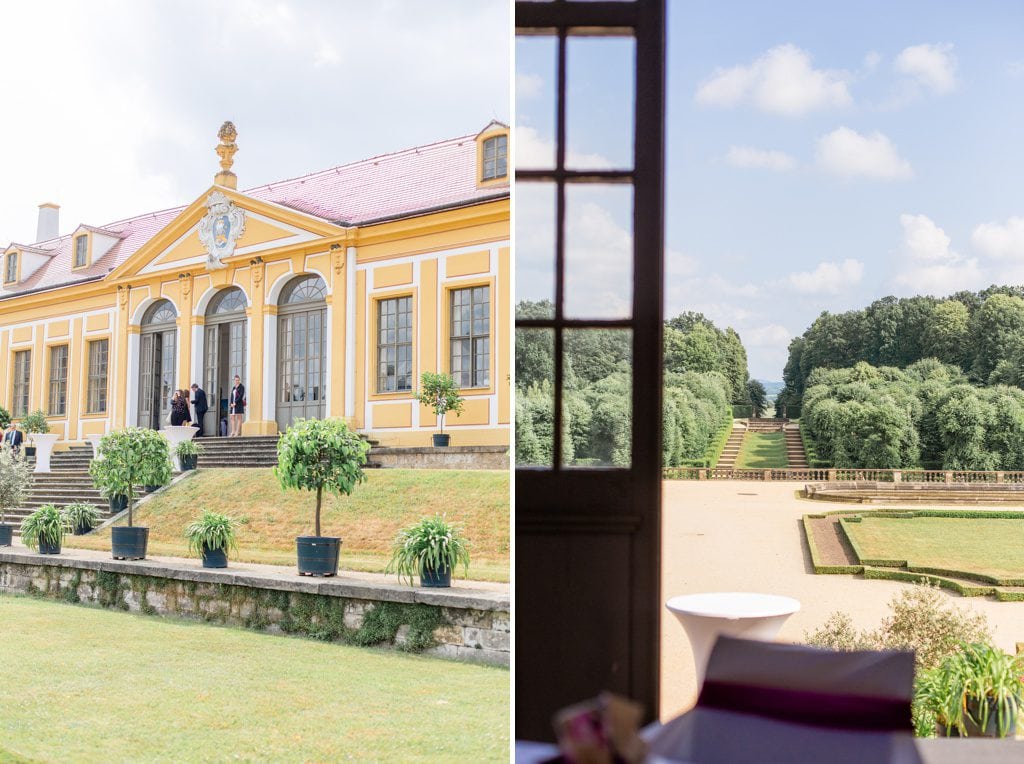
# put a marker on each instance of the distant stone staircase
(67, 482)
(248, 451)
(727, 460)
(795, 454)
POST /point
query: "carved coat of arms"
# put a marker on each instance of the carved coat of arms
(220, 228)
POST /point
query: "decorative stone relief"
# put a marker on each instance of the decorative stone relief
(220, 228)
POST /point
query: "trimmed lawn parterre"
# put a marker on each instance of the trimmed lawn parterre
(88, 685)
(763, 450)
(367, 521)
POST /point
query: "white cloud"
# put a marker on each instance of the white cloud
(1015, 68)
(931, 66)
(782, 81)
(534, 151)
(761, 159)
(931, 265)
(849, 154)
(529, 85)
(771, 335)
(828, 278)
(1000, 241)
(871, 60)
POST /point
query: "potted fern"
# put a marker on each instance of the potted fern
(431, 549)
(976, 692)
(210, 537)
(188, 453)
(128, 459)
(318, 455)
(440, 393)
(44, 529)
(15, 480)
(81, 517)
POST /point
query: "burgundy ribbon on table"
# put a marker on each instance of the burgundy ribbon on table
(819, 709)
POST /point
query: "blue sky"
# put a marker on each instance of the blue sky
(820, 155)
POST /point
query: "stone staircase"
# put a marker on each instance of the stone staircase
(249, 451)
(67, 482)
(727, 460)
(766, 425)
(795, 454)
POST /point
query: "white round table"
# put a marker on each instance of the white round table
(737, 614)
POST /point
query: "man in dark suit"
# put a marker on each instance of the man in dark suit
(13, 437)
(201, 406)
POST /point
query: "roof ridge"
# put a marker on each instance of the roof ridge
(369, 160)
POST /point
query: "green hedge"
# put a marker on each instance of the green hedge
(742, 411)
(714, 452)
(815, 557)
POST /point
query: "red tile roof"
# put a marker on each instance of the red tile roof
(404, 184)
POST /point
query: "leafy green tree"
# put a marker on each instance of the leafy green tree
(440, 393)
(996, 332)
(15, 480)
(318, 455)
(946, 335)
(129, 458)
(758, 397)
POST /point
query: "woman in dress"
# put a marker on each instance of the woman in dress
(236, 407)
(179, 409)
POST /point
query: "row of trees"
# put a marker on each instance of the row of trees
(705, 372)
(926, 415)
(981, 333)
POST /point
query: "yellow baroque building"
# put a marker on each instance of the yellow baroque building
(327, 294)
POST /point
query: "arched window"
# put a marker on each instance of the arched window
(231, 300)
(303, 289)
(160, 312)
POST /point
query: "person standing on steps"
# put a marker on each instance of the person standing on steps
(13, 437)
(179, 409)
(236, 407)
(201, 406)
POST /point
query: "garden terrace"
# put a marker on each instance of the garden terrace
(974, 488)
(468, 621)
(972, 552)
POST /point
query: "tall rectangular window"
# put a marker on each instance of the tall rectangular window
(22, 372)
(11, 268)
(58, 380)
(81, 249)
(394, 345)
(471, 336)
(96, 395)
(495, 157)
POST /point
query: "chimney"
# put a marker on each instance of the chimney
(49, 222)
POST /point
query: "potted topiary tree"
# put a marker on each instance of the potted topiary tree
(318, 455)
(439, 392)
(430, 549)
(15, 479)
(130, 458)
(37, 429)
(44, 529)
(210, 537)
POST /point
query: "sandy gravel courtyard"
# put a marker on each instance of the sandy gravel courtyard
(746, 536)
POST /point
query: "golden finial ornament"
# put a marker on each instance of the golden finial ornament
(226, 151)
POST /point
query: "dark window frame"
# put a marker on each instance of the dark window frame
(494, 167)
(383, 379)
(21, 382)
(11, 268)
(475, 338)
(81, 247)
(97, 384)
(57, 403)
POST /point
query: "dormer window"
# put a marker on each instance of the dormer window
(495, 158)
(81, 251)
(11, 268)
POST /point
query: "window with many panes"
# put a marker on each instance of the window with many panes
(96, 394)
(394, 345)
(58, 380)
(471, 336)
(81, 250)
(495, 157)
(11, 268)
(22, 372)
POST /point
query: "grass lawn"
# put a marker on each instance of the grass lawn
(89, 685)
(973, 545)
(763, 450)
(367, 521)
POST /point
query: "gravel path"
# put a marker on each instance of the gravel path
(747, 536)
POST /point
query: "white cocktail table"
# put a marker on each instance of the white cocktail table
(738, 614)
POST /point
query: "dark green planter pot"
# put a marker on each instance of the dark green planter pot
(6, 534)
(317, 555)
(436, 579)
(129, 543)
(81, 530)
(151, 488)
(441, 441)
(30, 451)
(188, 462)
(47, 548)
(118, 504)
(214, 558)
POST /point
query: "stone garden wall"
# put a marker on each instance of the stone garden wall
(457, 623)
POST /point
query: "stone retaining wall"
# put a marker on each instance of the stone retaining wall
(456, 623)
(452, 458)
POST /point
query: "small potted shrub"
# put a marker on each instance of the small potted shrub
(129, 458)
(44, 529)
(5, 418)
(15, 480)
(974, 693)
(33, 425)
(81, 517)
(188, 453)
(210, 537)
(431, 549)
(440, 393)
(318, 455)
